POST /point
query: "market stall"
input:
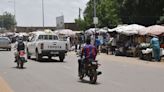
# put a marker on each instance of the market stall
(127, 39)
(146, 51)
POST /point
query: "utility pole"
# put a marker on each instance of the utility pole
(95, 19)
(14, 13)
(15, 9)
(2, 21)
(43, 14)
(79, 13)
(95, 12)
(15, 29)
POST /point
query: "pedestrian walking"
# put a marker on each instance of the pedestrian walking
(76, 43)
(97, 43)
(113, 45)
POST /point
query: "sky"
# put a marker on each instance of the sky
(29, 12)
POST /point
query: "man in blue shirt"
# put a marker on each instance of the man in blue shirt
(97, 43)
(156, 47)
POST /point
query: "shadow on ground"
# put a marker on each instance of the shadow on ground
(19, 68)
(4, 50)
(45, 60)
(88, 82)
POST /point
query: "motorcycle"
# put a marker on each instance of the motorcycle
(89, 69)
(105, 49)
(21, 59)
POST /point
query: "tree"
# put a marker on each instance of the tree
(107, 13)
(145, 12)
(161, 19)
(113, 12)
(7, 21)
(81, 24)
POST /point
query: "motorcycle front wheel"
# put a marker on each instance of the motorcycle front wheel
(81, 75)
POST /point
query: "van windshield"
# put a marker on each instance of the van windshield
(48, 37)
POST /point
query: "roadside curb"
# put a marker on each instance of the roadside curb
(4, 87)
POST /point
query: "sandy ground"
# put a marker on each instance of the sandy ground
(4, 86)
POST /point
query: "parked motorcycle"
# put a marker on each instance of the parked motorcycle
(21, 59)
(89, 69)
(105, 49)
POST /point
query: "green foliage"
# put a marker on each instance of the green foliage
(7, 21)
(113, 12)
(81, 24)
(107, 13)
(161, 20)
(145, 12)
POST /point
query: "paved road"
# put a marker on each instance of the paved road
(120, 74)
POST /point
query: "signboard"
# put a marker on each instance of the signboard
(60, 22)
(95, 20)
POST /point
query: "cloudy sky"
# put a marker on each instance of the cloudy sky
(29, 12)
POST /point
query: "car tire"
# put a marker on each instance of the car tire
(49, 57)
(61, 57)
(38, 56)
(9, 49)
(28, 56)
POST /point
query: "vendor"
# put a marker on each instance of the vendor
(156, 48)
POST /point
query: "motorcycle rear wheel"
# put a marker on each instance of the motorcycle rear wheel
(21, 65)
(93, 77)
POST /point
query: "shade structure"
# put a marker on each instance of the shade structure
(142, 31)
(110, 30)
(122, 30)
(67, 32)
(48, 31)
(91, 31)
(154, 30)
(131, 29)
(128, 29)
(102, 31)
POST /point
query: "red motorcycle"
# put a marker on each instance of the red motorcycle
(21, 59)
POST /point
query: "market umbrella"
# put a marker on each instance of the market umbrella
(102, 30)
(155, 30)
(134, 27)
(143, 31)
(128, 29)
(131, 29)
(110, 30)
(122, 30)
(91, 31)
(117, 29)
(67, 32)
(23, 34)
(48, 31)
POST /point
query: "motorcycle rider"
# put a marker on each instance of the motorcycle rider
(19, 45)
(89, 51)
